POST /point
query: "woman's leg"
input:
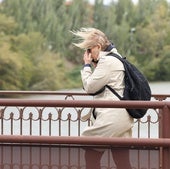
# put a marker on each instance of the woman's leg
(93, 158)
(121, 158)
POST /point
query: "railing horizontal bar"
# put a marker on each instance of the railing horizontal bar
(41, 93)
(160, 95)
(9, 92)
(84, 103)
(72, 140)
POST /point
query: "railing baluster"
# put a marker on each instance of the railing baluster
(11, 119)
(49, 119)
(149, 125)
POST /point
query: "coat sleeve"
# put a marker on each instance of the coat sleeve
(95, 80)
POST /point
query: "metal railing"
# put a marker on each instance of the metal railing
(40, 120)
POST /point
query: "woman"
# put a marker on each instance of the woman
(108, 70)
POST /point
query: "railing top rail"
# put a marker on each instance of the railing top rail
(97, 141)
(9, 92)
(42, 93)
(84, 103)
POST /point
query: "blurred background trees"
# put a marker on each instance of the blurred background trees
(36, 51)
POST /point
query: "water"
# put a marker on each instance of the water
(160, 87)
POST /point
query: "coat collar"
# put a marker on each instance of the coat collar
(104, 53)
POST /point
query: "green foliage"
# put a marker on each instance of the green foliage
(124, 11)
(75, 78)
(36, 51)
(10, 67)
(31, 44)
(49, 74)
(26, 63)
(7, 24)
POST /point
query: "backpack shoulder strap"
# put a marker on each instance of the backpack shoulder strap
(114, 92)
(122, 60)
(107, 86)
(98, 92)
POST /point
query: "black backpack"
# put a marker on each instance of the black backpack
(136, 87)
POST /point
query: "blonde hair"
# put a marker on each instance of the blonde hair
(90, 37)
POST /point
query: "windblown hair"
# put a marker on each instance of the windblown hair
(90, 37)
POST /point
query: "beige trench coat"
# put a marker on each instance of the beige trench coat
(110, 122)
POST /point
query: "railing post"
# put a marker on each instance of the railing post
(165, 133)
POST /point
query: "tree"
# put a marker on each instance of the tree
(10, 63)
(152, 40)
(10, 68)
(32, 30)
(124, 11)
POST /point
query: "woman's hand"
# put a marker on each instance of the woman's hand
(87, 58)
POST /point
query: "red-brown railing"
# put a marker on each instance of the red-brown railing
(61, 120)
(31, 119)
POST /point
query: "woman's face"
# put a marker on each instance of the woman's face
(95, 52)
